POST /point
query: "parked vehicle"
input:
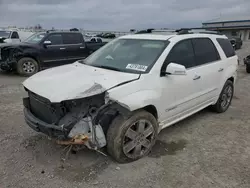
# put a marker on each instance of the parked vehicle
(236, 42)
(98, 40)
(100, 35)
(8, 36)
(124, 94)
(108, 35)
(44, 50)
(247, 63)
(95, 39)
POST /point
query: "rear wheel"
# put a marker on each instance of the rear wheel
(225, 98)
(248, 68)
(131, 138)
(27, 66)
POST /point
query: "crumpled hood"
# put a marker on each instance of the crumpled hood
(75, 81)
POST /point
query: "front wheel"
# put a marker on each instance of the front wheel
(131, 138)
(27, 66)
(225, 98)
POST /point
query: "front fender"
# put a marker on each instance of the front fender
(138, 99)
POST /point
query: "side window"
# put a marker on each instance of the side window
(226, 47)
(14, 35)
(93, 40)
(72, 38)
(56, 39)
(205, 51)
(182, 53)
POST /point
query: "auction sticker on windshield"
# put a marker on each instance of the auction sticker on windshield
(137, 67)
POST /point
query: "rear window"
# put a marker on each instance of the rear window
(72, 38)
(226, 46)
(205, 51)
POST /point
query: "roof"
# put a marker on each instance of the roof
(229, 19)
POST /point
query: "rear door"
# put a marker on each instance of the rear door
(208, 67)
(75, 46)
(229, 60)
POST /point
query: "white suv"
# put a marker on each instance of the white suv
(125, 93)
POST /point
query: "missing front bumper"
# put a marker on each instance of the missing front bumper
(82, 133)
(7, 65)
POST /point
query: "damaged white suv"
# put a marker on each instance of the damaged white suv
(125, 93)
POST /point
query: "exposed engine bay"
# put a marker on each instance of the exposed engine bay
(9, 56)
(82, 121)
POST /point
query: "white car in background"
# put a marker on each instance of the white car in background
(8, 36)
(126, 92)
(13, 36)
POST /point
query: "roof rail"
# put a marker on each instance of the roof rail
(196, 30)
(180, 31)
(145, 31)
(54, 30)
(160, 31)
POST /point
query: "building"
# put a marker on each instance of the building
(231, 26)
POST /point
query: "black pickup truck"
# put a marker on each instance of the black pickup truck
(45, 50)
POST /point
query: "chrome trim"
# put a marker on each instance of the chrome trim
(176, 106)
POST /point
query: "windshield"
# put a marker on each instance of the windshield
(4, 34)
(128, 55)
(36, 38)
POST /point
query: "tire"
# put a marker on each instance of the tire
(118, 136)
(237, 46)
(225, 98)
(248, 68)
(27, 66)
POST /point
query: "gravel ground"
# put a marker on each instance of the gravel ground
(205, 150)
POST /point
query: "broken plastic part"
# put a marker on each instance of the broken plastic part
(77, 140)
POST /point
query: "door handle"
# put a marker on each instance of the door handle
(196, 77)
(220, 70)
(62, 48)
(82, 47)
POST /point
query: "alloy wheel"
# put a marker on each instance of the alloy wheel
(226, 97)
(28, 67)
(138, 139)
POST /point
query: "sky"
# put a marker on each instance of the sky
(119, 15)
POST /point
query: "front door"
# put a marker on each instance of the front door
(54, 54)
(181, 93)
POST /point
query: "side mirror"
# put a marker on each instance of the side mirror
(46, 43)
(175, 69)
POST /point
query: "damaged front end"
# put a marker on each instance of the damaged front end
(82, 121)
(8, 57)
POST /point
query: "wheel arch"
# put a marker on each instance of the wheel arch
(30, 56)
(152, 110)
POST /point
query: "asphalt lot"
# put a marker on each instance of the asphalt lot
(205, 150)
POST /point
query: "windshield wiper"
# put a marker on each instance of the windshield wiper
(107, 67)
